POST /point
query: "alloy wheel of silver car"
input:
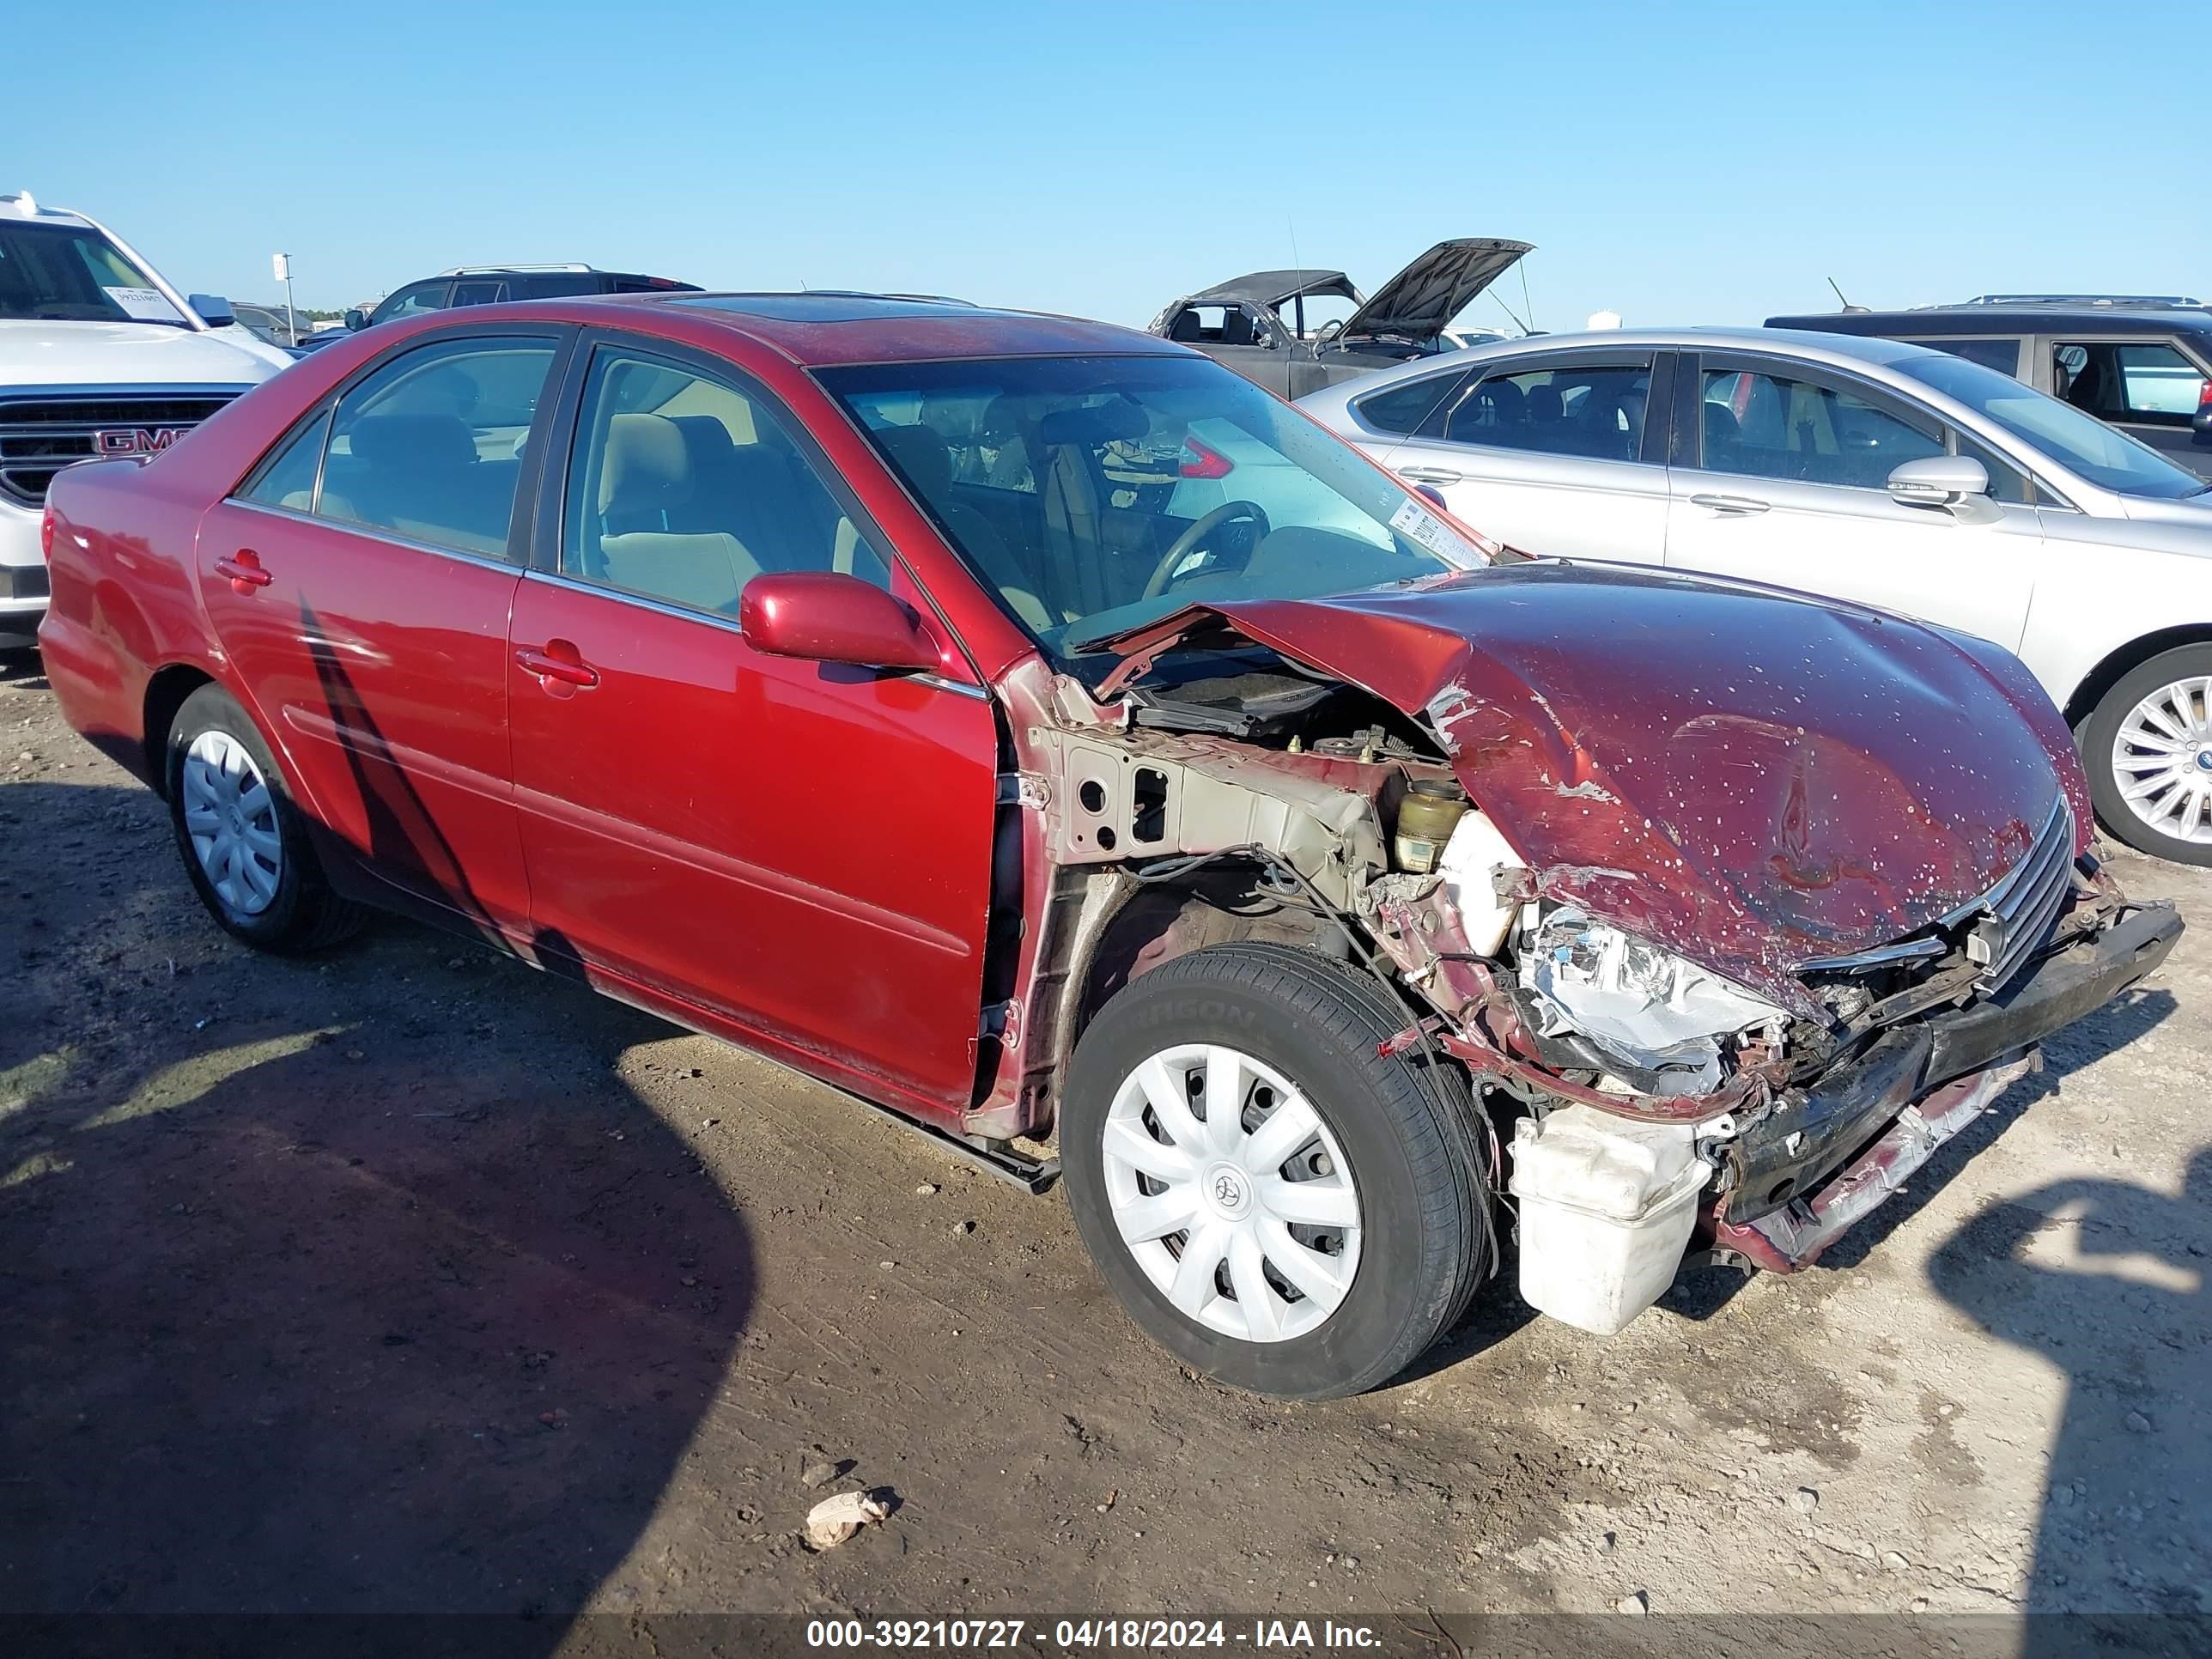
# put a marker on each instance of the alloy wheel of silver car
(1231, 1192)
(231, 817)
(2163, 759)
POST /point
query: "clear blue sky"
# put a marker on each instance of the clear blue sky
(1703, 163)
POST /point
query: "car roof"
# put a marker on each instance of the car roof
(822, 329)
(1271, 287)
(2009, 317)
(21, 204)
(1846, 348)
(1843, 351)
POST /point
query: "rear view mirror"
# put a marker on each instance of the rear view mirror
(823, 616)
(215, 311)
(1939, 481)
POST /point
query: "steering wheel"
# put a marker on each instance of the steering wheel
(1163, 574)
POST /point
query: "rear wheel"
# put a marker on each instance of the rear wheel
(2147, 749)
(1273, 1199)
(243, 842)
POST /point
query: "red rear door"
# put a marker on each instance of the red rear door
(798, 853)
(360, 585)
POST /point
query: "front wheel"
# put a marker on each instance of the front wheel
(2147, 749)
(1274, 1200)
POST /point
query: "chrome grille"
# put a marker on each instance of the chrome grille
(2013, 918)
(42, 433)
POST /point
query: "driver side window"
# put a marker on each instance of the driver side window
(682, 488)
(1773, 425)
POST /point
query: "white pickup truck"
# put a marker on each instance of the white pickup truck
(99, 355)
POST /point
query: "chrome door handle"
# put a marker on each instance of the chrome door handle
(1735, 505)
(1432, 475)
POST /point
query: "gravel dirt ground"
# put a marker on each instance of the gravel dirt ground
(407, 1278)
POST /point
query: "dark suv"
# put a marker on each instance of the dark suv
(2142, 365)
(484, 285)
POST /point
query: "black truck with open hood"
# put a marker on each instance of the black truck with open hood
(1256, 324)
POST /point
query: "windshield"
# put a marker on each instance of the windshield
(1096, 493)
(67, 274)
(2079, 442)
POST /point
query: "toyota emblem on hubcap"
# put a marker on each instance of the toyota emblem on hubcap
(1229, 1190)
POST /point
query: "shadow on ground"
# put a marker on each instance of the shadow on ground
(303, 1320)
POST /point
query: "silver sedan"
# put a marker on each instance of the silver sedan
(1893, 475)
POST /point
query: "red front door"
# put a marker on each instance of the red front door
(799, 852)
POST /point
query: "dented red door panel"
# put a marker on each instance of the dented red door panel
(1749, 777)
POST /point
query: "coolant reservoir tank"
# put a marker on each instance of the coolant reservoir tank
(1470, 859)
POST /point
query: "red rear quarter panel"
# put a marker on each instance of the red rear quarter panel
(123, 601)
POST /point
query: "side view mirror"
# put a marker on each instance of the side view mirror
(1939, 481)
(355, 319)
(215, 311)
(820, 616)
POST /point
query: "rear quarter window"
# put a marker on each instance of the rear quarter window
(1406, 408)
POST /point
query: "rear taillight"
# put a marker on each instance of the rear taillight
(1200, 461)
(46, 535)
(2204, 396)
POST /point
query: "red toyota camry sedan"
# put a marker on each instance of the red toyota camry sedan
(1032, 728)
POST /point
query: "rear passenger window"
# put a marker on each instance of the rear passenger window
(683, 488)
(1596, 412)
(430, 446)
(289, 481)
(1406, 408)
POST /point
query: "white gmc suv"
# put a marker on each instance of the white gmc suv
(98, 356)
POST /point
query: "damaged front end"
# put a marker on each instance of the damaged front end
(1715, 972)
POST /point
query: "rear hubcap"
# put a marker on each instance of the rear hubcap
(2162, 760)
(230, 818)
(1231, 1192)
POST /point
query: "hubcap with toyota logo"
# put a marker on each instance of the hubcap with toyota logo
(1232, 1192)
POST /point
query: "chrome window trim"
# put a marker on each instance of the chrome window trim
(375, 532)
(725, 624)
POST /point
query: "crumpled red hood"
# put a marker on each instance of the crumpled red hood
(1750, 778)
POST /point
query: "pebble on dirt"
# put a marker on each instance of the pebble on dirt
(1636, 1602)
(818, 1474)
(2138, 1423)
(834, 1520)
(1804, 1500)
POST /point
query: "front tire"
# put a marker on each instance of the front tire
(2147, 749)
(1274, 1200)
(243, 841)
